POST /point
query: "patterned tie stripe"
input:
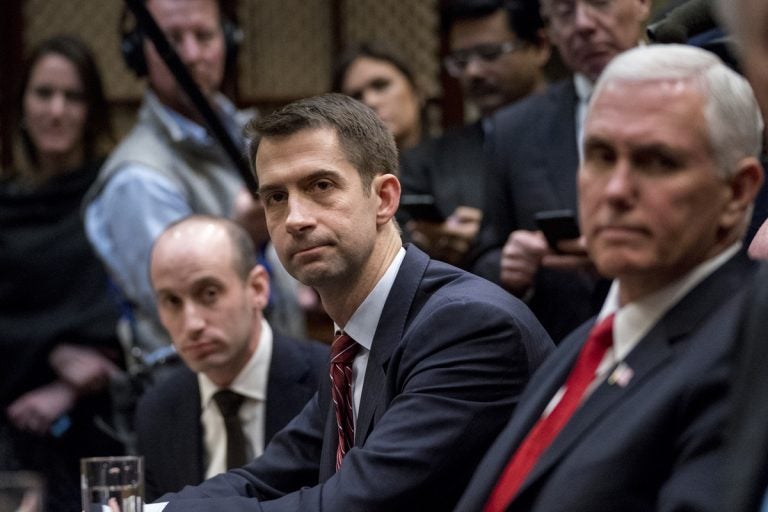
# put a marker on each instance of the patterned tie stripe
(343, 352)
(546, 429)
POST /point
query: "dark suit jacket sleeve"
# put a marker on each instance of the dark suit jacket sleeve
(747, 464)
(169, 433)
(451, 384)
(147, 416)
(695, 482)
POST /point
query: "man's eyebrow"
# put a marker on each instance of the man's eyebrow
(205, 281)
(595, 140)
(268, 188)
(162, 292)
(319, 173)
(322, 173)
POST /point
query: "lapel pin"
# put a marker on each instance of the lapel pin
(621, 375)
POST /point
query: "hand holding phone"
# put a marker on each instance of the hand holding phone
(557, 225)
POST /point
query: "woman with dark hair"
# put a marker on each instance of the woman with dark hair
(81, 132)
(57, 319)
(378, 77)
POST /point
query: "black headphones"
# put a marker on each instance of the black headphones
(132, 43)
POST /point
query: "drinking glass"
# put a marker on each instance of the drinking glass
(112, 483)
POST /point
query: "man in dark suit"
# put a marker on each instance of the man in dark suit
(211, 298)
(629, 415)
(533, 161)
(498, 54)
(746, 488)
(429, 360)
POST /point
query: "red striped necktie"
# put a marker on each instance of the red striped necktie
(343, 352)
(546, 429)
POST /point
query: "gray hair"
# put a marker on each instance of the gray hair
(734, 123)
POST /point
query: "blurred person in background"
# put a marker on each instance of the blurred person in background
(375, 75)
(57, 317)
(534, 153)
(498, 53)
(170, 166)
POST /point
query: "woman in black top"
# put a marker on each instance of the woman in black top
(58, 342)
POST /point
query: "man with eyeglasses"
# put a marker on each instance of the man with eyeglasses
(498, 52)
(534, 156)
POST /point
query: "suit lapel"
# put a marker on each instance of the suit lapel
(389, 332)
(186, 438)
(545, 383)
(286, 369)
(650, 354)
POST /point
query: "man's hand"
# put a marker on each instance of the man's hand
(450, 240)
(572, 256)
(36, 410)
(527, 251)
(83, 368)
(249, 213)
(521, 258)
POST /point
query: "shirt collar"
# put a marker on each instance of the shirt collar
(635, 320)
(251, 382)
(583, 86)
(362, 325)
(182, 128)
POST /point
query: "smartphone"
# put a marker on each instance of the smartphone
(421, 207)
(557, 225)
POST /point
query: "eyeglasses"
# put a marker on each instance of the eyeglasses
(564, 11)
(457, 61)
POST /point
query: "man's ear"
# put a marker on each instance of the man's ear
(744, 185)
(543, 47)
(644, 11)
(387, 190)
(258, 287)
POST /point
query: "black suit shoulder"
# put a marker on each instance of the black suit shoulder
(520, 113)
(153, 403)
(297, 360)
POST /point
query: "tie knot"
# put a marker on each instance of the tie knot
(343, 349)
(228, 402)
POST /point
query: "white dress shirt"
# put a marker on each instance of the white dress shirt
(362, 325)
(584, 88)
(251, 383)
